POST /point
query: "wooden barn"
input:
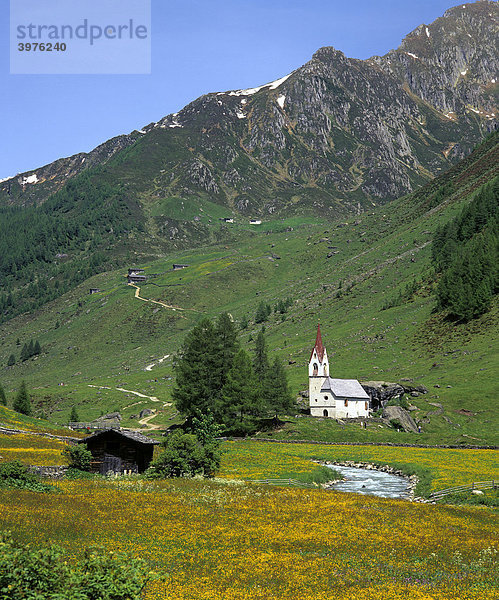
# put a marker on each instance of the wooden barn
(120, 451)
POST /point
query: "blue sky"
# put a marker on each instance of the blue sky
(198, 46)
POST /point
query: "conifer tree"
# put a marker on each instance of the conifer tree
(198, 370)
(74, 417)
(3, 397)
(37, 348)
(12, 361)
(279, 399)
(262, 312)
(261, 359)
(227, 344)
(239, 399)
(22, 403)
(24, 353)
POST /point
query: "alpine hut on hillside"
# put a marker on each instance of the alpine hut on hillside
(136, 276)
(119, 451)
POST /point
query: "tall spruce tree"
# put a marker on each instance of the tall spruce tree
(279, 400)
(3, 397)
(228, 345)
(198, 370)
(262, 369)
(22, 403)
(12, 360)
(239, 402)
(261, 359)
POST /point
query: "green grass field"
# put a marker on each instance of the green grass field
(342, 274)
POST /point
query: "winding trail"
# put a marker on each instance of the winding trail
(103, 387)
(139, 297)
(150, 367)
(148, 425)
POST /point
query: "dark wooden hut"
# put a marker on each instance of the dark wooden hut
(119, 451)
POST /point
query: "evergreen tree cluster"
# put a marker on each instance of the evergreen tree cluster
(30, 350)
(263, 312)
(466, 251)
(283, 305)
(79, 220)
(215, 375)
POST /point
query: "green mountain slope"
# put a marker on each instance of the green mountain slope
(347, 274)
(335, 137)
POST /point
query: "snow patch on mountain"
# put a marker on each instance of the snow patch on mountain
(273, 85)
(30, 179)
(281, 101)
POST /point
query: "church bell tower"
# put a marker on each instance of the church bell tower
(318, 368)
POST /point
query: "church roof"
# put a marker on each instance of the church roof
(344, 388)
(319, 346)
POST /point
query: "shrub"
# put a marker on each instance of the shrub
(14, 474)
(79, 457)
(26, 572)
(185, 456)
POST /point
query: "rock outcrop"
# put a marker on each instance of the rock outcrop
(399, 417)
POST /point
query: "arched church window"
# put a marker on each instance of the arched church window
(367, 405)
(346, 402)
(316, 369)
(326, 414)
(325, 397)
(326, 373)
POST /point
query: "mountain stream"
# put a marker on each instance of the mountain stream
(371, 482)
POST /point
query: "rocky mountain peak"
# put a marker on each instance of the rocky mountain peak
(337, 134)
(452, 63)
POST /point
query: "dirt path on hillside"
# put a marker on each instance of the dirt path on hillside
(163, 304)
(154, 364)
(103, 387)
(149, 426)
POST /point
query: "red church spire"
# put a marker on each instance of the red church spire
(319, 346)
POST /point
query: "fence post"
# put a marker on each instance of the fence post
(472, 485)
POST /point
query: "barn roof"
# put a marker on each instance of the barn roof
(319, 346)
(344, 388)
(136, 436)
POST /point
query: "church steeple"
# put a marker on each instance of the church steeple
(318, 364)
(319, 346)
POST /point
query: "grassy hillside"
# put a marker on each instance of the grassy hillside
(98, 349)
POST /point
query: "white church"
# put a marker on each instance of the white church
(334, 398)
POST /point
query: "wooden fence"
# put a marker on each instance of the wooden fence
(290, 482)
(476, 485)
(113, 425)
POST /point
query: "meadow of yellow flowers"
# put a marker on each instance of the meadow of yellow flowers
(228, 540)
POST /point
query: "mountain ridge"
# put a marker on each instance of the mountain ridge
(336, 135)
